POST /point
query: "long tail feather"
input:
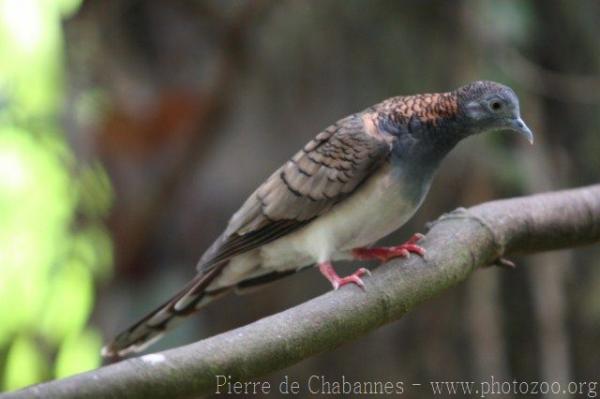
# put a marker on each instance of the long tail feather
(154, 325)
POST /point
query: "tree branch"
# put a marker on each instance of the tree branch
(456, 245)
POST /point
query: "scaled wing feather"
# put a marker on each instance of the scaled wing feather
(323, 173)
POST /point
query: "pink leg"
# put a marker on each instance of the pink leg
(383, 254)
(326, 268)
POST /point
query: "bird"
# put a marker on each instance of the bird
(356, 182)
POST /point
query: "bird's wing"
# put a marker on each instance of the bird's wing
(326, 171)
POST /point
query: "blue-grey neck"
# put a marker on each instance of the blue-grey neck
(421, 146)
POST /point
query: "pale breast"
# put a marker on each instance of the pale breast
(383, 204)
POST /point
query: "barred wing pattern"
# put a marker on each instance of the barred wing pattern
(326, 171)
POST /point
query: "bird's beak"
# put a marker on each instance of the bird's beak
(520, 127)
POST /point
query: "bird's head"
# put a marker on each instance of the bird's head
(489, 106)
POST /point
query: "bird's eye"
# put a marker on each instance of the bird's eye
(496, 105)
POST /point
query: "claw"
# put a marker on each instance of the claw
(383, 254)
(336, 281)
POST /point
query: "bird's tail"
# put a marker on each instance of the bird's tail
(154, 325)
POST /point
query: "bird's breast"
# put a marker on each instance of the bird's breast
(381, 205)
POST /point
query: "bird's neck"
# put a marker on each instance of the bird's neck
(429, 108)
(426, 126)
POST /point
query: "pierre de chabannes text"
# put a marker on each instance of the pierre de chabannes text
(342, 385)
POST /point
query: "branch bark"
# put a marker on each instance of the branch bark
(456, 245)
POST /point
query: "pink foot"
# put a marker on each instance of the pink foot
(383, 254)
(326, 268)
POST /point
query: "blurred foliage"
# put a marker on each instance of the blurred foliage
(52, 243)
(190, 104)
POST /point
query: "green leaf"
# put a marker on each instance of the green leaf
(95, 191)
(24, 364)
(30, 42)
(67, 7)
(36, 208)
(69, 301)
(93, 246)
(78, 353)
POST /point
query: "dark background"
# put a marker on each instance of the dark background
(196, 102)
(206, 99)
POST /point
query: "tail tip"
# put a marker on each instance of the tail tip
(110, 352)
(115, 351)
